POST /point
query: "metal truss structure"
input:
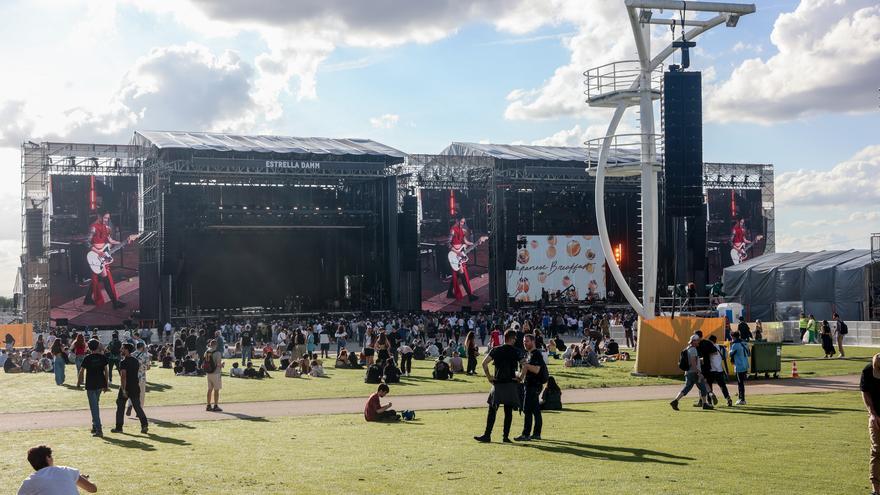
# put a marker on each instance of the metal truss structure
(756, 176)
(38, 163)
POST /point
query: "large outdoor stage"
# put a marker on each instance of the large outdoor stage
(217, 224)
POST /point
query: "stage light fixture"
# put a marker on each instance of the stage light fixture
(645, 16)
(732, 20)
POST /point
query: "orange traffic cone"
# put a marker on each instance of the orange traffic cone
(794, 373)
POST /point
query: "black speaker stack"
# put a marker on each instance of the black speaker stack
(683, 116)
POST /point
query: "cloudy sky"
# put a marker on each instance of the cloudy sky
(794, 85)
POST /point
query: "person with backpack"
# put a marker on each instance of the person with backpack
(689, 362)
(842, 330)
(374, 374)
(212, 365)
(739, 354)
(442, 371)
(534, 375)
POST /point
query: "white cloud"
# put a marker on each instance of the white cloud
(858, 217)
(386, 121)
(818, 241)
(828, 60)
(854, 181)
(577, 135)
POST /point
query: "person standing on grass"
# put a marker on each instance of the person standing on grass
(505, 388)
(716, 371)
(813, 329)
(213, 367)
(97, 379)
(470, 345)
(375, 411)
(693, 376)
(743, 328)
(247, 344)
(739, 354)
(51, 479)
(870, 387)
(534, 374)
(129, 389)
(841, 332)
(803, 324)
(58, 361)
(143, 359)
(114, 349)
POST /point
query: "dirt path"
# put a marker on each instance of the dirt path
(269, 409)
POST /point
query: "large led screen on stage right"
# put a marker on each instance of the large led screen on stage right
(568, 268)
(94, 260)
(737, 228)
(454, 249)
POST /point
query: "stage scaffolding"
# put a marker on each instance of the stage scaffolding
(39, 161)
(753, 176)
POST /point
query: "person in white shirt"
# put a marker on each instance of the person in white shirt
(716, 372)
(52, 479)
(432, 350)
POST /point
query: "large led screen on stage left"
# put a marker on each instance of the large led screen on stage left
(559, 268)
(94, 255)
(454, 249)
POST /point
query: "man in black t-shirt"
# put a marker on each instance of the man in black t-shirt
(505, 386)
(247, 345)
(129, 388)
(870, 387)
(705, 349)
(532, 373)
(97, 379)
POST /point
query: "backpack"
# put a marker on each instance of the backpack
(374, 374)
(684, 364)
(392, 374)
(843, 329)
(441, 371)
(543, 374)
(419, 353)
(208, 364)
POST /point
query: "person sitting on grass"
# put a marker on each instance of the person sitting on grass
(341, 359)
(292, 371)
(190, 367)
(305, 364)
(10, 366)
(236, 371)
(46, 362)
(551, 397)
(269, 361)
(375, 411)
(551, 349)
(353, 361)
(456, 365)
(316, 368)
(432, 350)
(441, 370)
(612, 348)
(391, 373)
(249, 370)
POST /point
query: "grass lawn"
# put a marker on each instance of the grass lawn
(38, 392)
(638, 447)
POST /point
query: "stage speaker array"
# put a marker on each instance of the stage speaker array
(683, 117)
(34, 225)
(511, 230)
(409, 235)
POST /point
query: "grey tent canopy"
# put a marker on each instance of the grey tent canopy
(821, 283)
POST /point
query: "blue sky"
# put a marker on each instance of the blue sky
(794, 85)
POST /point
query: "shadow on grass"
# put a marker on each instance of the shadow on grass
(158, 387)
(607, 452)
(171, 424)
(129, 444)
(169, 440)
(245, 417)
(787, 410)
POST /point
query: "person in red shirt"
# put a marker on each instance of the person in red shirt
(100, 239)
(374, 411)
(458, 241)
(495, 339)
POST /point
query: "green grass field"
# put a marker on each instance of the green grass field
(804, 444)
(38, 392)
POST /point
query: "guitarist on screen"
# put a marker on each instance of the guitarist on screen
(458, 241)
(740, 242)
(100, 240)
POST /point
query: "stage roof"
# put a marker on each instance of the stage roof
(263, 144)
(518, 152)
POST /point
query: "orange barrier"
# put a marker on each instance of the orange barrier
(23, 333)
(662, 339)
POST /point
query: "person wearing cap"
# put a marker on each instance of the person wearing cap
(693, 376)
(870, 387)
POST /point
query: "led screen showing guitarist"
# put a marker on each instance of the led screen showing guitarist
(99, 258)
(740, 242)
(459, 246)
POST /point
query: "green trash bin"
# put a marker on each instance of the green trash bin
(766, 358)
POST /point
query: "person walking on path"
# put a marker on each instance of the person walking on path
(505, 388)
(870, 387)
(739, 354)
(692, 375)
(827, 341)
(534, 376)
(213, 366)
(842, 330)
(94, 367)
(717, 373)
(48, 478)
(129, 389)
(143, 358)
